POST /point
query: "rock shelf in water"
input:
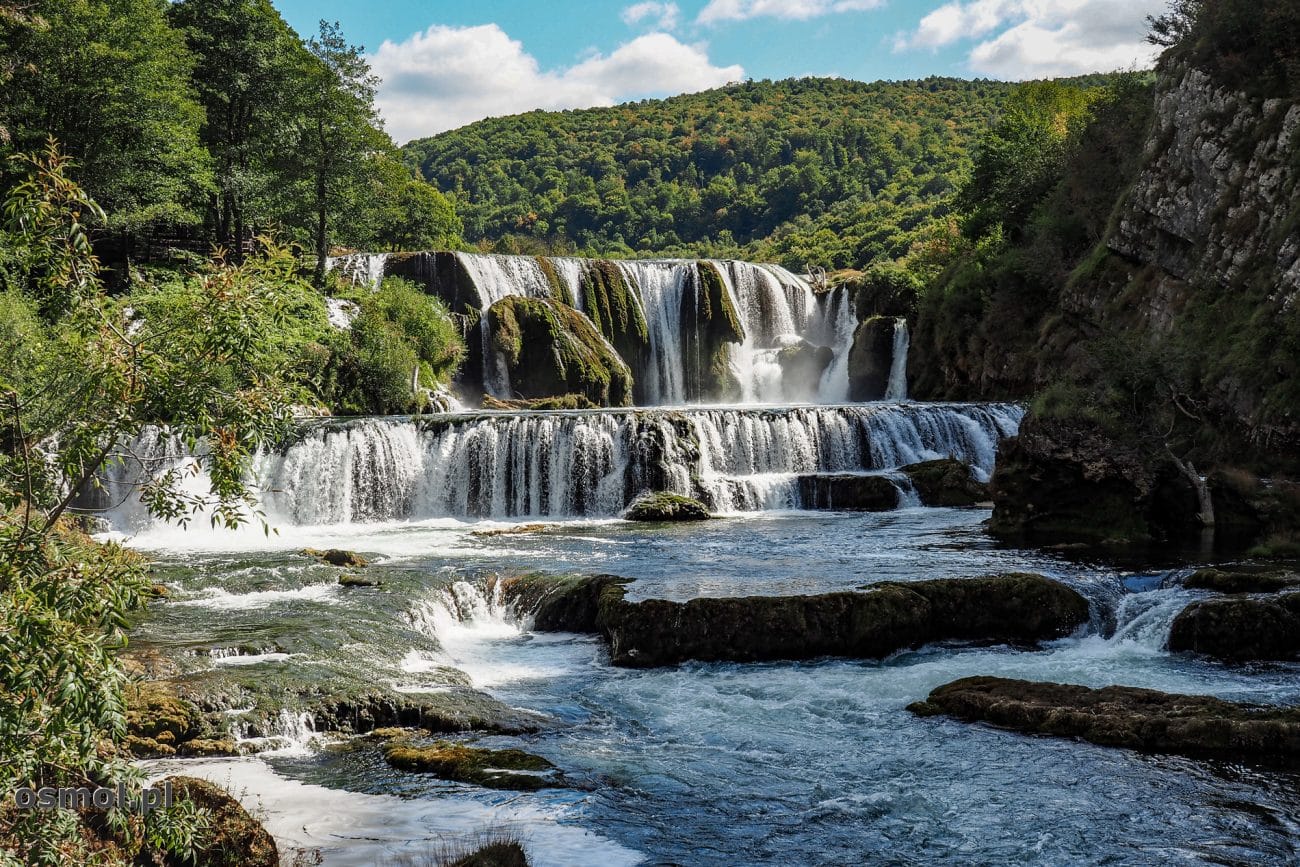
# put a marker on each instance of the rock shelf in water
(871, 623)
(1123, 716)
(494, 769)
(1240, 628)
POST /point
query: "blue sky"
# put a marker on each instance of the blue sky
(445, 64)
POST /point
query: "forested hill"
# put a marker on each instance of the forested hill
(813, 170)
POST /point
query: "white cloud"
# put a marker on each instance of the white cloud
(1041, 38)
(447, 77)
(795, 10)
(662, 16)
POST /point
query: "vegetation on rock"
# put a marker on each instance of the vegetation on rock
(494, 769)
(666, 506)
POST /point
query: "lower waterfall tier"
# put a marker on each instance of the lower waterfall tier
(591, 463)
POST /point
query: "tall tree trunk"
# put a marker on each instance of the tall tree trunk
(322, 216)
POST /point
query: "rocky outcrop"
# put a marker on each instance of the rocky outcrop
(160, 724)
(548, 349)
(710, 329)
(494, 769)
(337, 557)
(1123, 716)
(802, 367)
(848, 492)
(1242, 580)
(945, 482)
(871, 623)
(1240, 629)
(1069, 481)
(666, 506)
(870, 358)
(563, 401)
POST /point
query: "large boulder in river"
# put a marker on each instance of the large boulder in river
(1123, 716)
(872, 623)
(233, 838)
(1069, 481)
(802, 367)
(666, 506)
(549, 349)
(494, 769)
(1242, 579)
(945, 482)
(1240, 628)
(870, 358)
(848, 492)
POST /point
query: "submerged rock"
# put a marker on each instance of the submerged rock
(494, 769)
(337, 557)
(358, 581)
(848, 492)
(233, 837)
(1123, 716)
(945, 482)
(871, 623)
(666, 506)
(1240, 628)
(1239, 580)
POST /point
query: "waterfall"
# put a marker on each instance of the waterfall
(584, 463)
(897, 387)
(366, 269)
(778, 311)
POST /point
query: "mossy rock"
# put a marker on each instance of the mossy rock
(551, 350)
(1240, 628)
(870, 359)
(1123, 716)
(945, 482)
(358, 581)
(337, 557)
(234, 839)
(1242, 580)
(499, 854)
(206, 747)
(612, 307)
(710, 327)
(667, 506)
(495, 769)
(155, 714)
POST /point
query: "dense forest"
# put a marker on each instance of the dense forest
(207, 122)
(812, 171)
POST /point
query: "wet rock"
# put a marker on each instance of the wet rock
(562, 603)
(504, 853)
(494, 769)
(510, 531)
(1240, 580)
(870, 359)
(848, 492)
(1069, 481)
(358, 581)
(1122, 716)
(337, 557)
(945, 482)
(872, 623)
(549, 349)
(666, 506)
(1240, 629)
(158, 721)
(234, 838)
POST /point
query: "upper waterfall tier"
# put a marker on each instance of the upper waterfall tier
(591, 463)
(690, 331)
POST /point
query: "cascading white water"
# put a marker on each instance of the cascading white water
(661, 287)
(897, 387)
(589, 463)
(497, 277)
(365, 269)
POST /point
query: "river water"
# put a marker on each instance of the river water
(780, 763)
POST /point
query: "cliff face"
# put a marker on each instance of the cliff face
(1216, 204)
(1196, 272)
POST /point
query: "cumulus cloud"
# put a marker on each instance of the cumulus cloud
(447, 77)
(1040, 38)
(796, 10)
(661, 16)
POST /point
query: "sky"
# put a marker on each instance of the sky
(446, 63)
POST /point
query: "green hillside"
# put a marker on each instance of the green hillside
(822, 171)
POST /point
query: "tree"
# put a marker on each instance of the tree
(203, 372)
(401, 211)
(111, 81)
(338, 131)
(245, 75)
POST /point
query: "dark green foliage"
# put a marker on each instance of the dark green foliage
(1251, 45)
(550, 350)
(111, 81)
(821, 171)
(401, 335)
